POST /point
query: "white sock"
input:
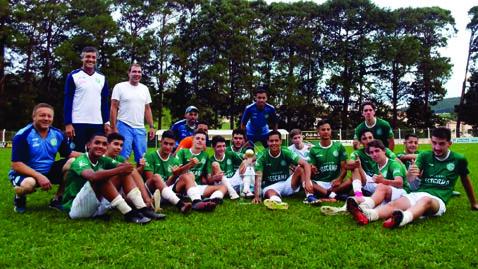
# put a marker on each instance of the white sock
(121, 204)
(194, 193)
(230, 189)
(169, 195)
(407, 217)
(357, 186)
(217, 194)
(368, 202)
(246, 181)
(332, 195)
(372, 214)
(276, 198)
(135, 197)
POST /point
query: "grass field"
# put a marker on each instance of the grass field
(236, 235)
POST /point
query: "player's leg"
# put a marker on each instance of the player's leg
(128, 133)
(186, 183)
(216, 169)
(22, 186)
(272, 195)
(215, 193)
(140, 145)
(56, 175)
(343, 188)
(157, 184)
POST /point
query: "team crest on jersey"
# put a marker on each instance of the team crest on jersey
(379, 131)
(203, 161)
(229, 162)
(335, 153)
(72, 146)
(450, 166)
(170, 169)
(283, 163)
(53, 142)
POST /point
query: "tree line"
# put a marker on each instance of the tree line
(315, 60)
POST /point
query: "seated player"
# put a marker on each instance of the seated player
(241, 145)
(221, 168)
(161, 170)
(239, 142)
(328, 165)
(439, 170)
(93, 184)
(298, 146)
(273, 173)
(196, 160)
(363, 167)
(410, 155)
(390, 181)
(34, 150)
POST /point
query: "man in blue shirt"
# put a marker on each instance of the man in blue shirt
(186, 126)
(33, 157)
(256, 117)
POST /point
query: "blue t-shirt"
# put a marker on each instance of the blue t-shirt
(182, 130)
(257, 119)
(37, 152)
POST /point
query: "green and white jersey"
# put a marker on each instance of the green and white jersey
(368, 165)
(406, 163)
(74, 180)
(118, 159)
(327, 160)
(439, 176)
(380, 130)
(394, 168)
(227, 164)
(239, 153)
(275, 169)
(157, 165)
(200, 169)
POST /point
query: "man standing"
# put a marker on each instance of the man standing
(186, 126)
(129, 107)
(86, 109)
(380, 128)
(256, 118)
(33, 157)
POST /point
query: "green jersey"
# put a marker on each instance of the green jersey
(74, 180)
(380, 130)
(439, 176)
(200, 169)
(394, 168)
(227, 164)
(157, 165)
(239, 153)
(275, 169)
(368, 165)
(118, 158)
(327, 160)
(408, 162)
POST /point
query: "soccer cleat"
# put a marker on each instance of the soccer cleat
(311, 200)
(20, 204)
(271, 204)
(149, 213)
(354, 209)
(135, 217)
(185, 208)
(204, 206)
(234, 196)
(55, 203)
(394, 221)
(333, 210)
(157, 201)
(217, 201)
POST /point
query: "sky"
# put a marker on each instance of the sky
(457, 48)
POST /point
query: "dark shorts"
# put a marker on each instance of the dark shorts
(258, 138)
(54, 175)
(83, 133)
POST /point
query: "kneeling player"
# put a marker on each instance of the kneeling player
(273, 172)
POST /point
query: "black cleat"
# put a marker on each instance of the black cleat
(148, 212)
(135, 217)
(205, 206)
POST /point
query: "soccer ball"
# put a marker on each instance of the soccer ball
(249, 153)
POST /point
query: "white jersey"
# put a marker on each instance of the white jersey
(303, 153)
(132, 101)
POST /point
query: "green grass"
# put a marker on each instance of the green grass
(237, 234)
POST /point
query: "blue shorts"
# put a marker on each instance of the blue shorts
(55, 174)
(134, 139)
(258, 138)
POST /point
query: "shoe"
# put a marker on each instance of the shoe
(275, 205)
(135, 217)
(20, 204)
(311, 200)
(333, 210)
(149, 213)
(217, 201)
(354, 209)
(205, 206)
(249, 195)
(395, 220)
(185, 207)
(157, 201)
(55, 203)
(234, 196)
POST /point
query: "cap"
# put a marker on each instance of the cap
(191, 109)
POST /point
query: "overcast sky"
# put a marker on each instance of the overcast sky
(457, 45)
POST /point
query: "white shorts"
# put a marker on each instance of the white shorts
(87, 205)
(283, 188)
(397, 193)
(201, 188)
(324, 184)
(235, 180)
(414, 197)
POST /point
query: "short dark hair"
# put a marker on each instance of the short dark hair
(407, 136)
(239, 131)
(260, 89)
(365, 131)
(274, 132)
(88, 49)
(168, 134)
(442, 133)
(114, 136)
(217, 139)
(200, 131)
(376, 144)
(41, 105)
(295, 132)
(322, 122)
(96, 134)
(368, 103)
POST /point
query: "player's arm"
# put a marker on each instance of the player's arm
(408, 157)
(257, 188)
(105, 113)
(308, 183)
(340, 178)
(466, 181)
(149, 119)
(102, 175)
(275, 120)
(184, 168)
(70, 88)
(396, 182)
(245, 118)
(114, 114)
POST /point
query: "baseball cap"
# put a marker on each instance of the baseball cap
(192, 109)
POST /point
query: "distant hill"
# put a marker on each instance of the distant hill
(446, 105)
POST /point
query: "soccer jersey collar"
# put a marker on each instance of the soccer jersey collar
(327, 147)
(373, 125)
(192, 153)
(223, 157)
(88, 156)
(444, 158)
(381, 167)
(164, 160)
(280, 152)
